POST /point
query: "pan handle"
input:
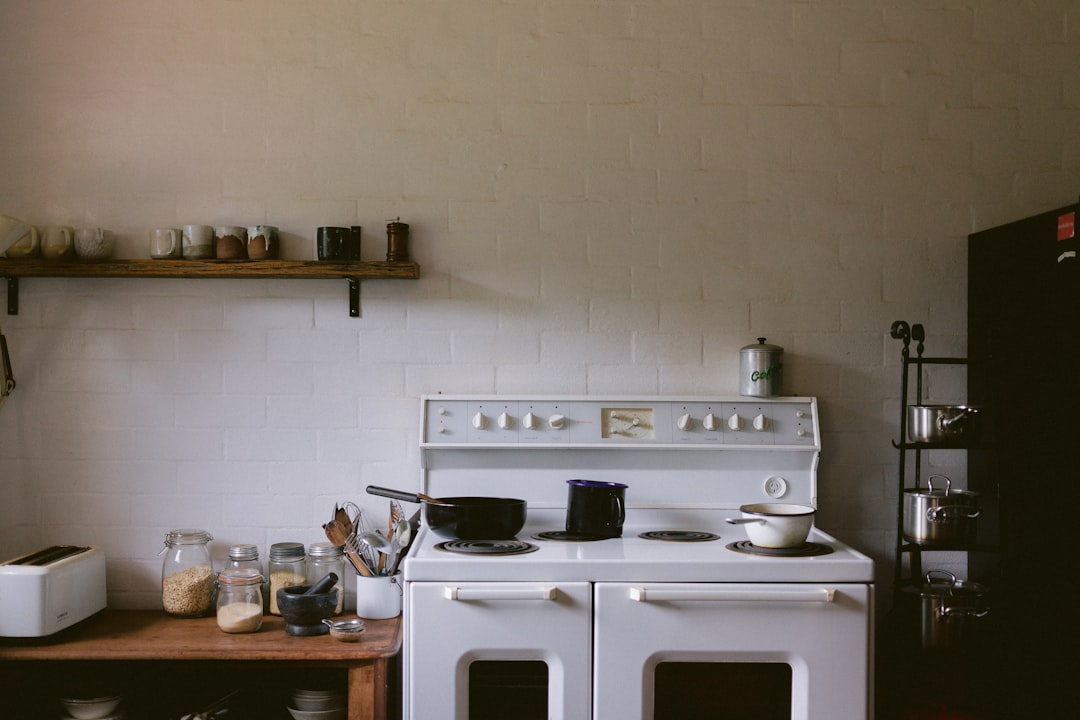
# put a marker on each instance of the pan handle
(396, 494)
(743, 521)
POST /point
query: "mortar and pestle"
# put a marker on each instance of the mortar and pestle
(305, 607)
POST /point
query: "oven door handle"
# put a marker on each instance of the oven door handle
(526, 593)
(821, 594)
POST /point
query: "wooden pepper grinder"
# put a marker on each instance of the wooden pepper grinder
(397, 241)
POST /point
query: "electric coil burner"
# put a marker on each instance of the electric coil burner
(660, 622)
(679, 535)
(487, 547)
(567, 536)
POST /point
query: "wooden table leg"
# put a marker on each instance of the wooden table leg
(367, 690)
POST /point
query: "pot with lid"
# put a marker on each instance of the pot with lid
(938, 516)
(761, 368)
(951, 609)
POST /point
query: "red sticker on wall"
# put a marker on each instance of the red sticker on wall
(1066, 226)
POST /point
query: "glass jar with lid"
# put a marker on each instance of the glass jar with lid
(239, 600)
(323, 558)
(288, 567)
(187, 573)
(246, 556)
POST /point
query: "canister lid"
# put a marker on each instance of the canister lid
(761, 346)
(286, 551)
(187, 536)
(240, 576)
(324, 549)
(244, 552)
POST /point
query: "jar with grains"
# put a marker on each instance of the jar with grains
(288, 567)
(239, 600)
(247, 556)
(187, 574)
(323, 558)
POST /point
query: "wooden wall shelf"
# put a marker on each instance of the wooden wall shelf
(354, 272)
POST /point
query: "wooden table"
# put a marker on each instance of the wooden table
(151, 635)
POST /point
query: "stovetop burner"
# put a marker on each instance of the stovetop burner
(807, 549)
(487, 547)
(567, 536)
(679, 535)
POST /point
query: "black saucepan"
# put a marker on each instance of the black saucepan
(465, 518)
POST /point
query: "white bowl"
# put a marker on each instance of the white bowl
(332, 714)
(99, 708)
(316, 700)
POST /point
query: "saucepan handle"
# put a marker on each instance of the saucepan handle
(396, 494)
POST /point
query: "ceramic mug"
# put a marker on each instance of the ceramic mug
(93, 243)
(332, 243)
(58, 242)
(230, 242)
(166, 243)
(198, 242)
(18, 239)
(262, 242)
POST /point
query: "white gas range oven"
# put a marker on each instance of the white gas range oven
(689, 622)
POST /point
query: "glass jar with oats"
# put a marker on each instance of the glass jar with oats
(187, 574)
(288, 567)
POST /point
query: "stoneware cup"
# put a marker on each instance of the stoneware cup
(332, 243)
(58, 242)
(166, 243)
(230, 242)
(262, 242)
(198, 242)
(94, 243)
(18, 239)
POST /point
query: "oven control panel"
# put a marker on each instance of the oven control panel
(462, 421)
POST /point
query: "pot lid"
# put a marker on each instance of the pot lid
(761, 346)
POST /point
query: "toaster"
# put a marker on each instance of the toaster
(49, 590)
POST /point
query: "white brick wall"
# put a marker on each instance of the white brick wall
(606, 197)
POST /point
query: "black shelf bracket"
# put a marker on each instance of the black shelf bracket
(354, 297)
(13, 296)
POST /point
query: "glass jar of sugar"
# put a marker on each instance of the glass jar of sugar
(288, 567)
(187, 574)
(247, 556)
(239, 600)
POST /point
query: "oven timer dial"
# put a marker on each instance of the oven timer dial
(776, 487)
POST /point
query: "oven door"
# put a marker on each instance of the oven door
(519, 650)
(747, 651)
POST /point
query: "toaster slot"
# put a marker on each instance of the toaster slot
(49, 555)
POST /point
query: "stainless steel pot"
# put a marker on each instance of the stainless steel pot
(761, 369)
(941, 423)
(950, 610)
(940, 515)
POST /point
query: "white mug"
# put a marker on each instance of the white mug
(198, 242)
(93, 243)
(58, 241)
(166, 243)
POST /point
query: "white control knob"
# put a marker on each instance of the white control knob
(801, 432)
(442, 411)
(442, 430)
(735, 422)
(530, 421)
(761, 423)
(557, 422)
(710, 422)
(800, 413)
(683, 423)
(479, 421)
(505, 421)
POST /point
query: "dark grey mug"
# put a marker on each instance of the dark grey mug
(332, 243)
(595, 508)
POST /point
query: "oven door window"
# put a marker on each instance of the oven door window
(500, 689)
(722, 691)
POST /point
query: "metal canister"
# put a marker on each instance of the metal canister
(761, 369)
(397, 241)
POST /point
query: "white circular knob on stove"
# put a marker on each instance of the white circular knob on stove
(683, 423)
(801, 432)
(710, 422)
(504, 421)
(530, 421)
(442, 411)
(761, 423)
(800, 413)
(557, 422)
(735, 422)
(479, 421)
